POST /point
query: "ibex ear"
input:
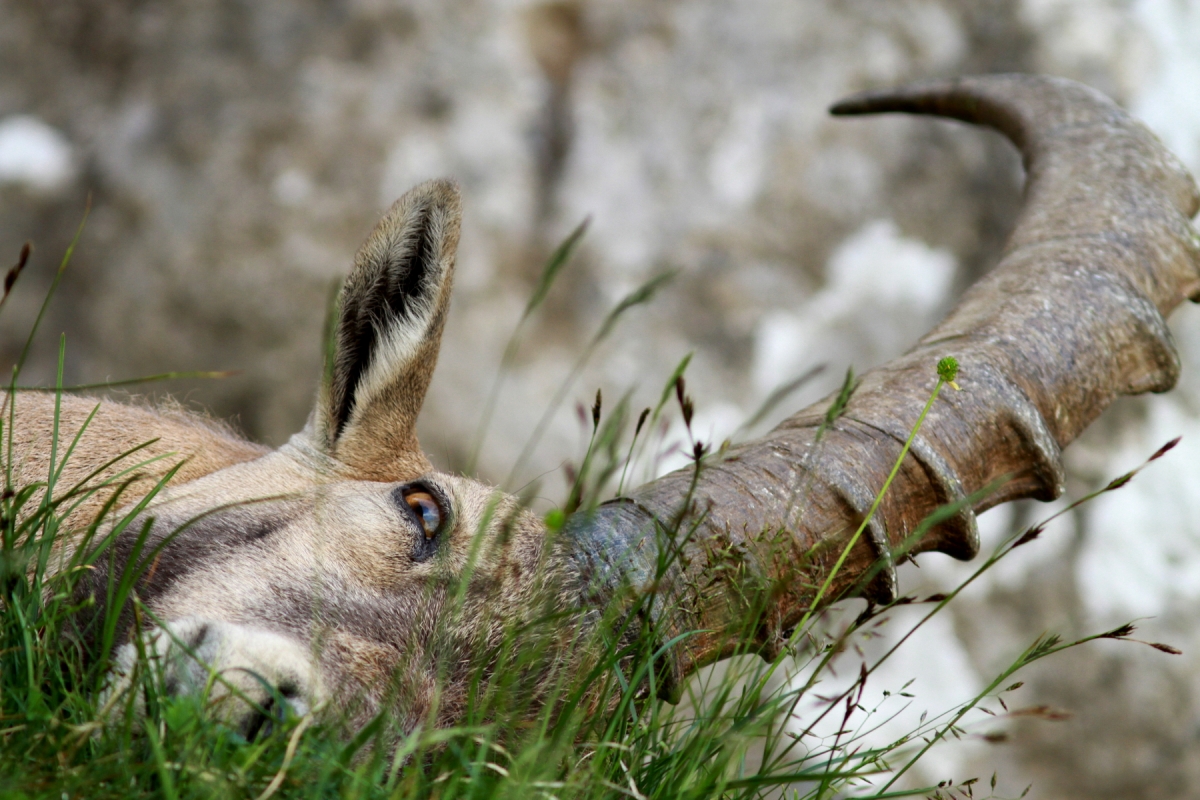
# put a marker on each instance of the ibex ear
(389, 327)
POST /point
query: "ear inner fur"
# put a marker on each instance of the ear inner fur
(392, 298)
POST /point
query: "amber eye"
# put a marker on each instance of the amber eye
(427, 510)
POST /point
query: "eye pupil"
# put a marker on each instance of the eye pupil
(427, 510)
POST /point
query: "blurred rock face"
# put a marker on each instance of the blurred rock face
(237, 153)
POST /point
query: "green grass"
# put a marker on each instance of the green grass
(596, 733)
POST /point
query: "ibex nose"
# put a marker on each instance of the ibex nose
(246, 676)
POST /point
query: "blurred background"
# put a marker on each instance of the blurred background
(238, 152)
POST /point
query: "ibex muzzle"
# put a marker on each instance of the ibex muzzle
(331, 567)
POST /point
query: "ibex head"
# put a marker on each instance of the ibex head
(332, 567)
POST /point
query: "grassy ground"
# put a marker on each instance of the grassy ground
(750, 733)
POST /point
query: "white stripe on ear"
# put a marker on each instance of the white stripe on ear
(392, 310)
(398, 347)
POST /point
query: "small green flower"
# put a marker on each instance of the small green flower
(947, 370)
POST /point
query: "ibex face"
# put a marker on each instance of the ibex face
(328, 567)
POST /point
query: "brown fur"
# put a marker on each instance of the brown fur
(166, 438)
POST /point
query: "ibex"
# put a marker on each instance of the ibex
(328, 566)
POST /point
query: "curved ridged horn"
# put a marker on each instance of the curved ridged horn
(1072, 317)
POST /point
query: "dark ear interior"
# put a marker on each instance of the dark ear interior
(390, 318)
(393, 287)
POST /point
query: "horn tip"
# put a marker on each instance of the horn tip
(922, 97)
(848, 106)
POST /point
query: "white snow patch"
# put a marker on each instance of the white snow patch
(1081, 30)
(1169, 104)
(931, 666)
(292, 187)
(1142, 552)
(881, 290)
(34, 155)
(737, 163)
(1053, 544)
(1010, 573)
(611, 181)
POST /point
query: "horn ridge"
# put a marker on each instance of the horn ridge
(1071, 317)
